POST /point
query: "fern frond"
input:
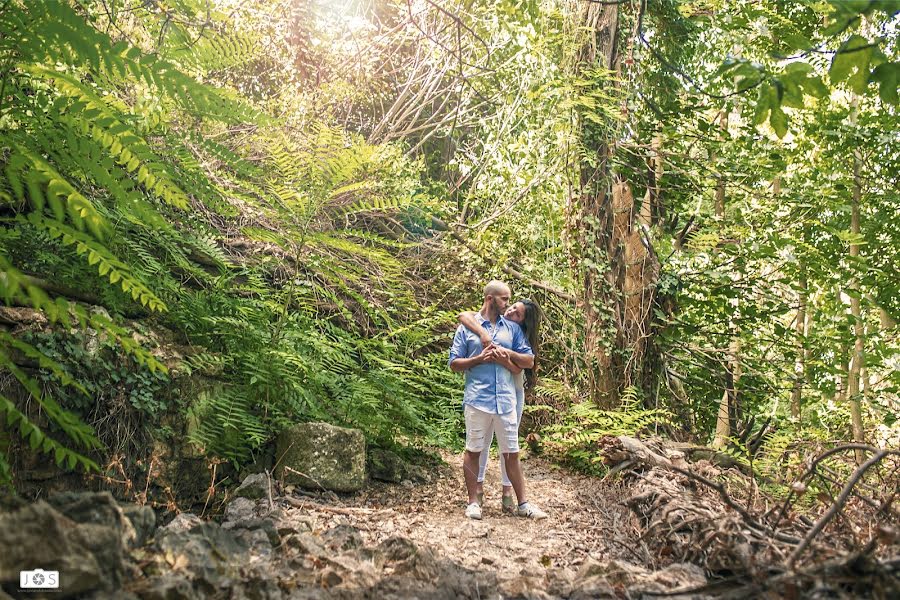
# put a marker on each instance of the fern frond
(107, 265)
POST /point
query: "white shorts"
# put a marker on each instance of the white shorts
(505, 427)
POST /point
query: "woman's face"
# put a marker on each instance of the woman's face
(515, 313)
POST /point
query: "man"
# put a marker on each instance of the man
(490, 395)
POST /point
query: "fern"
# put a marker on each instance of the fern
(575, 437)
(119, 162)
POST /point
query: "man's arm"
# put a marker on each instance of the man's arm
(459, 365)
(469, 321)
(503, 357)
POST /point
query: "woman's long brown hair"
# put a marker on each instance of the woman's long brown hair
(531, 327)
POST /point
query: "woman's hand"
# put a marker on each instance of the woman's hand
(486, 340)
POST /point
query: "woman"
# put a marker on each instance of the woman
(528, 315)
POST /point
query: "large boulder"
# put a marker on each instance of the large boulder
(88, 555)
(98, 508)
(319, 455)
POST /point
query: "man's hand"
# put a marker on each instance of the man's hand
(500, 353)
(487, 354)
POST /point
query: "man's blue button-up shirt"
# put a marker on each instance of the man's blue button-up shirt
(489, 386)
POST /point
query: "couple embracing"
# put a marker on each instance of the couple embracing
(495, 349)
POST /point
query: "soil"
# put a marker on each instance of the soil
(585, 519)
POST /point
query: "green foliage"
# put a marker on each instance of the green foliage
(101, 371)
(118, 162)
(574, 439)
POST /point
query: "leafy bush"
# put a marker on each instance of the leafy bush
(573, 440)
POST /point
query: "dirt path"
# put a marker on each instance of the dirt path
(586, 520)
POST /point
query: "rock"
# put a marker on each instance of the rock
(319, 455)
(263, 461)
(143, 520)
(294, 523)
(261, 535)
(597, 579)
(240, 509)
(183, 522)
(97, 508)
(170, 586)
(89, 556)
(305, 544)
(212, 555)
(423, 575)
(343, 537)
(397, 549)
(22, 316)
(254, 487)
(259, 584)
(331, 578)
(385, 465)
(617, 573)
(257, 541)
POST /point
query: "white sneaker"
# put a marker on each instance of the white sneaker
(530, 511)
(473, 511)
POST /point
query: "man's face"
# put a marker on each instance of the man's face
(501, 301)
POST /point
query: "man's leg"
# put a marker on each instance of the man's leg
(470, 473)
(514, 468)
(483, 459)
(476, 422)
(514, 472)
(507, 428)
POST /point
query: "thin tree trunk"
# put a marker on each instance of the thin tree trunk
(799, 327)
(858, 358)
(729, 394)
(654, 175)
(720, 185)
(801, 360)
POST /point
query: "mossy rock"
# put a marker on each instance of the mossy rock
(319, 455)
(385, 465)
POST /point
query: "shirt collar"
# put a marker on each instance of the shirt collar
(483, 319)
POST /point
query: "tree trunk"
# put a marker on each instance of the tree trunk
(617, 263)
(800, 360)
(857, 358)
(720, 184)
(725, 415)
(594, 218)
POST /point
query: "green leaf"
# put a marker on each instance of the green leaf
(798, 41)
(853, 56)
(779, 122)
(815, 87)
(887, 75)
(793, 97)
(762, 104)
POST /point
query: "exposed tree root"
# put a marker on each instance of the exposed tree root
(849, 547)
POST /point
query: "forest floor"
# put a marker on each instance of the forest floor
(585, 519)
(588, 547)
(654, 531)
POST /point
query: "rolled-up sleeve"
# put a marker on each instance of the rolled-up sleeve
(520, 342)
(458, 348)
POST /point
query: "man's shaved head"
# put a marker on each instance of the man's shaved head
(496, 288)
